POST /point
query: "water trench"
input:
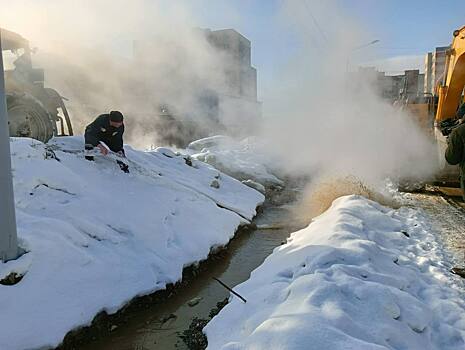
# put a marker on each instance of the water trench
(159, 325)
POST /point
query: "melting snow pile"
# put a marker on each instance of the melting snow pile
(361, 276)
(96, 237)
(243, 160)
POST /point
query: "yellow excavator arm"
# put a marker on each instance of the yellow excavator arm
(451, 92)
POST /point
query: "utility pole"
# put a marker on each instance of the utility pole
(8, 238)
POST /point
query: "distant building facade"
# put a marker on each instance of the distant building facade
(241, 77)
(221, 99)
(238, 104)
(427, 87)
(410, 85)
(392, 87)
(413, 83)
(435, 66)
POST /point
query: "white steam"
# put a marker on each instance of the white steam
(324, 124)
(134, 56)
(316, 119)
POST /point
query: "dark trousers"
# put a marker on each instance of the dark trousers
(89, 147)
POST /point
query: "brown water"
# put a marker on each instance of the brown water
(147, 330)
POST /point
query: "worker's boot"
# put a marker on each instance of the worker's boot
(88, 148)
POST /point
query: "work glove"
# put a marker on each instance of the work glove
(102, 149)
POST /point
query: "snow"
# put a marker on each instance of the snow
(259, 187)
(244, 160)
(96, 237)
(352, 279)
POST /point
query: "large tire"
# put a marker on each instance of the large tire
(28, 118)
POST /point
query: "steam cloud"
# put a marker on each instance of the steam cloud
(134, 56)
(316, 121)
(324, 124)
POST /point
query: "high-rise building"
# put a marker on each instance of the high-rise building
(435, 66)
(239, 108)
(218, 94)
(428, 72)
(241, 77)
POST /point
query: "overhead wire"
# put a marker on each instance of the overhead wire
(308, 29)
(315, 22)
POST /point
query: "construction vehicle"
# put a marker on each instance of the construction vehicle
(34, 110)
(451, 92)
(436, 114)
(449, 98)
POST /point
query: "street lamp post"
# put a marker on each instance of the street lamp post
(8, 238)
(358, 48)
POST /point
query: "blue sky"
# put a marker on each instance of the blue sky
(413, 26)
(404, 27)
(407, 29)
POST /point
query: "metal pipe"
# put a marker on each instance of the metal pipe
(8, 238)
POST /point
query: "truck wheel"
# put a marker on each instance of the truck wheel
(28, 118)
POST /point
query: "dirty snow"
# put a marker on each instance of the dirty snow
(361, 276)
(244, 160)
(96, 237)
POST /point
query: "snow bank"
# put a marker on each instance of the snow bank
(353, 279)
(243, 160)
(97, 237)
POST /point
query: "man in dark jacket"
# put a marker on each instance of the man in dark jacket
(108, 128)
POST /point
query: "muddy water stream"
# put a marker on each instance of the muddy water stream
(158, 326)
